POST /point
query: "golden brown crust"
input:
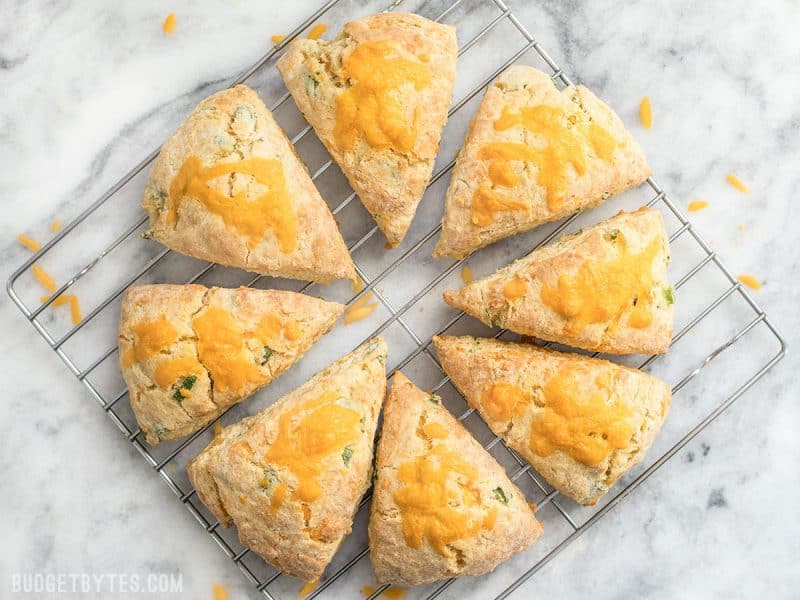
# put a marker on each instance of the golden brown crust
(159, 415)
(226, 127)
(528, 315)
(408, 411)
(516, 87)
(474, 364)
(389, 183)
(236, 481)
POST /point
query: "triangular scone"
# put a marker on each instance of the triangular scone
(604, 288)
(229, 188)
(290, 478)
(581, 422)
(441, 505)
(534, 154)
(188, 352)
(377, 97)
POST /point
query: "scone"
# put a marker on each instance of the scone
(604, 288)
(581, 422)
(290, 478)
(441, 505)
(534, 154)
(188, 352)
(228, 187)
(377, 97)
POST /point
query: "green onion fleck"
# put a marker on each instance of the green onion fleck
(613, 234)
(434, 398)
(347, 454)
(669, 294)
(500, 495)
(311, 85)
(266, 354)
(184, 383)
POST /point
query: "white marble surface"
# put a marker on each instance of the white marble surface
(89, 88)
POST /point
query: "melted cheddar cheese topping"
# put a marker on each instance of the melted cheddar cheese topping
(307, 435)
(250, 215)
(231, 356)
(223, 350)
(375, 107)
(438, 499)
(515, 288)
(582, 417)
(169, 371)
(603, 291)
(151, 338)
(501, 401)
(566, 144)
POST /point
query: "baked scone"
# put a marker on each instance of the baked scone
(188, 352)
(228, 187)
(534, 154)
(290, 478)
(441, 505)
(604, 288)
(581, 422)
(377, 97)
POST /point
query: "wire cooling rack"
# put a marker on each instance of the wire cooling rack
(723, 343)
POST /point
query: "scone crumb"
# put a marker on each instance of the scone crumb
(169, 24)
(749, 281)
(737, 183)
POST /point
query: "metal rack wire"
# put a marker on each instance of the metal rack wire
(551, 507)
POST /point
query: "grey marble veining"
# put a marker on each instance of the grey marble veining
(89, 88)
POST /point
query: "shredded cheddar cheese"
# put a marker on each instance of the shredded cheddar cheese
(29, 243)
(308, 587)
(646, 113)
(55, 225)
(48, 283)
(317, 31)
(75, 309)
(219, 592)
(44, 278)
(169, 24)
(737, 183)
(696, 205)
(360, 309)
(466, 275)
(392, 593)
(749, 281)
(217, 428)
(60, 301)
(74, 305)
(357, 285)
